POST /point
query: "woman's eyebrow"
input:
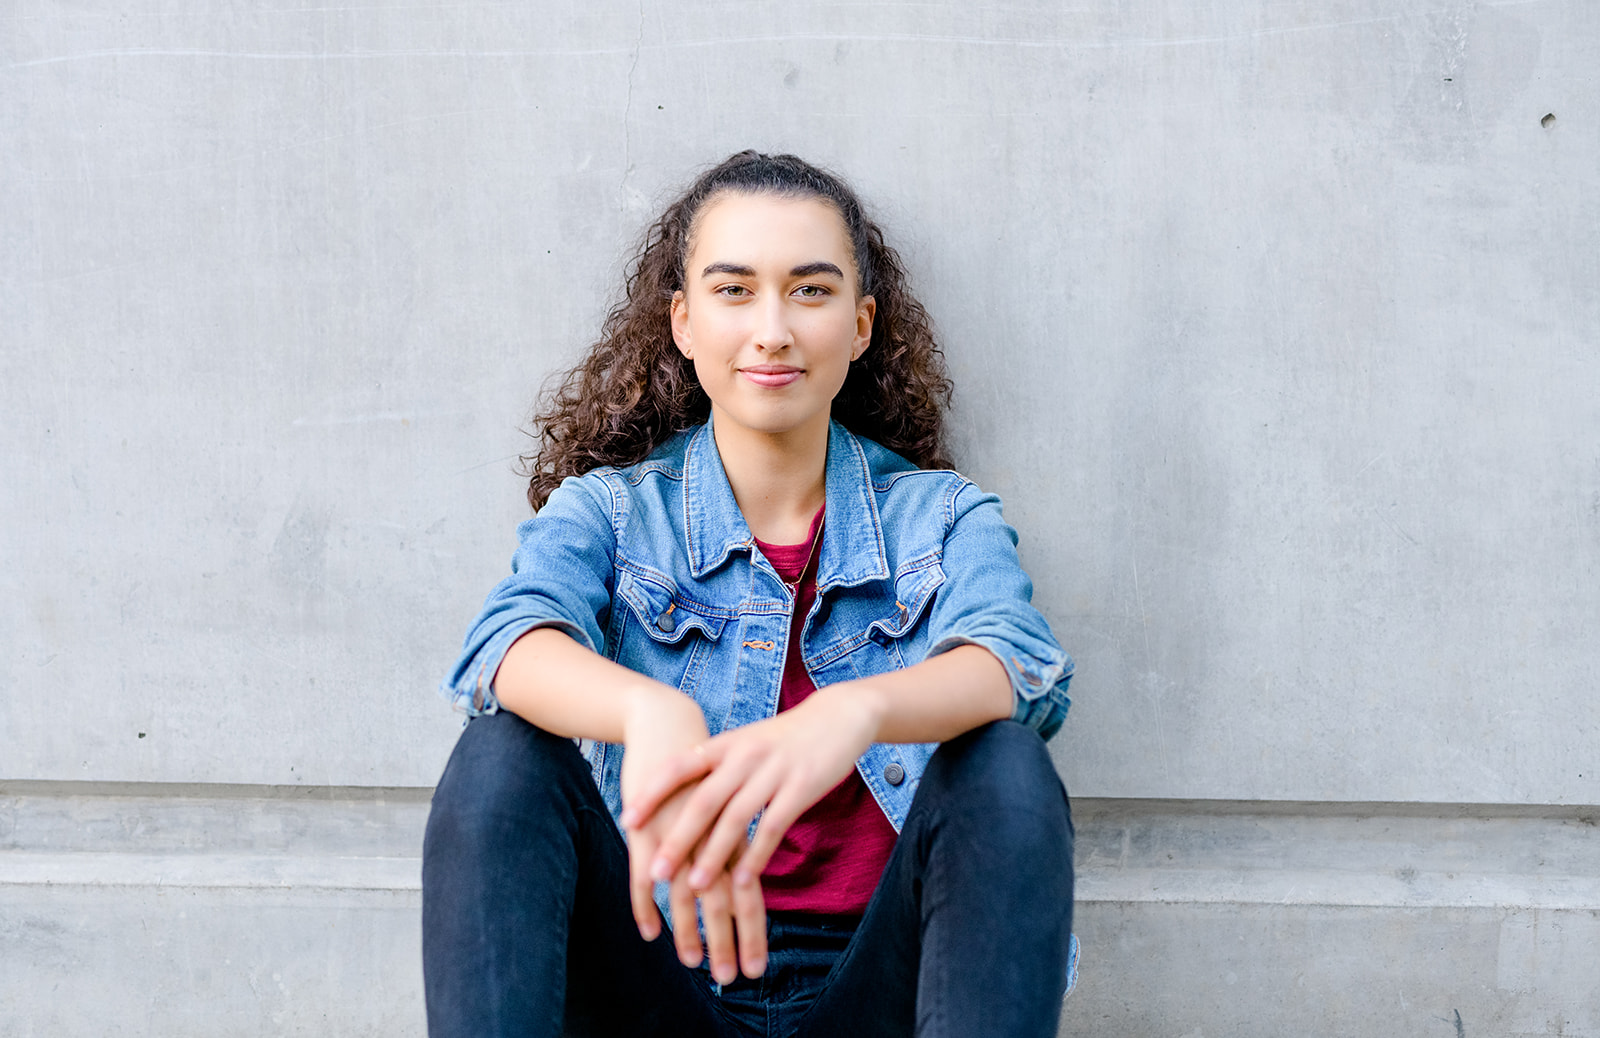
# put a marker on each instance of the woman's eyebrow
(736, 269)
(804, 270)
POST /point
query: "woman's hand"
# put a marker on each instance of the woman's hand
(659, 728)
(694, 803)
(777, 767)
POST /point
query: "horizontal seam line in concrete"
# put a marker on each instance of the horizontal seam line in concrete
(1083, 806)
(212, 790)
(1360, 890)
(1132, 886)
(232, 871)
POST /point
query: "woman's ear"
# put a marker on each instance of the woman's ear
(866, 310)
(678, 314)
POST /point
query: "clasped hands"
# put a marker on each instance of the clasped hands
(688, 801)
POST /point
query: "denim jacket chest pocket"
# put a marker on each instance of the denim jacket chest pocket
(872, 633)
(665, 634)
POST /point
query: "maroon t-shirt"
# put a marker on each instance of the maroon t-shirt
(832, 856)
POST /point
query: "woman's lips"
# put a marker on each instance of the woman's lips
(771, 376)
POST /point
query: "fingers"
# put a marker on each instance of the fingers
(685, 934)
(734, 918)
(716, 912)
(702, 808)
(727, 837)
(735, 924)
(787, 805)
(750, 916)
(669, 777)
(641, 888)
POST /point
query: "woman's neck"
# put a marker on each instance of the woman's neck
(779, 481)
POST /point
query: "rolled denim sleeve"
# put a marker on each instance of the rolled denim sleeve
(561, 576)
(986, 600)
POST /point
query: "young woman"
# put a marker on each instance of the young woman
(758, 627)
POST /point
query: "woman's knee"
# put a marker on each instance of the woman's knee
(999, 778)
(1006, 756)
(503, 769)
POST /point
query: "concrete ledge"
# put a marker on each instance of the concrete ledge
(1193, 970)
(209, 910)
(270, 910)
(1228, 919)
(174, 961)
(1351, 855)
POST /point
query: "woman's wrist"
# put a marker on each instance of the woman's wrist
(861, 703)
(650, 706)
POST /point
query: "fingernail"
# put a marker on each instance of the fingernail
(756, 968)
(742, 877)
(628, 818)
(699, 878)
(661, 870)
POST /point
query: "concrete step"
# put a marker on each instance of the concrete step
(209, 911)
(216, 910)
(1226, 919)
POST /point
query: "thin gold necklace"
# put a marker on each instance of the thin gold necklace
(811, 553)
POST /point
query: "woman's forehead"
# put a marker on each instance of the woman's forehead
(753, 225)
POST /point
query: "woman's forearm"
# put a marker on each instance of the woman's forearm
(937, 699)
(551, 681)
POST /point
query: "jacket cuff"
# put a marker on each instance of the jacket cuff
(1038, 686)
(470, 690)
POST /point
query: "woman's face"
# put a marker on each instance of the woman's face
(769, 314)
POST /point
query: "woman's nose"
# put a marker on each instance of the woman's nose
(773, 332)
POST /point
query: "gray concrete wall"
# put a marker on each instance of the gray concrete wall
(1274, 324)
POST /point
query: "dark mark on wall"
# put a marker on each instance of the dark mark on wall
(1548, 121)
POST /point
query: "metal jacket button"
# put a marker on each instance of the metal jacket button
(894, 774)
(667, 623)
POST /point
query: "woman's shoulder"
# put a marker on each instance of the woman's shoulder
(609, 481)
(665, 460)
(896, 475)
(615, 494)
(916, 508)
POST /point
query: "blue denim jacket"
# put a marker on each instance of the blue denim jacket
(654, 567)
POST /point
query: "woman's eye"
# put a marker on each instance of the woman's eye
(733, 290)
(811, 291)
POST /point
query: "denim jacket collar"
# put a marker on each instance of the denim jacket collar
(852, 546)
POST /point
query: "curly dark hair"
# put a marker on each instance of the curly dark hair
(634, 389)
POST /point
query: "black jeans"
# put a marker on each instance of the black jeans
(526, 926)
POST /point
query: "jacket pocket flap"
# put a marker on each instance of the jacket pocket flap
(913, 594)
(665, 617)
